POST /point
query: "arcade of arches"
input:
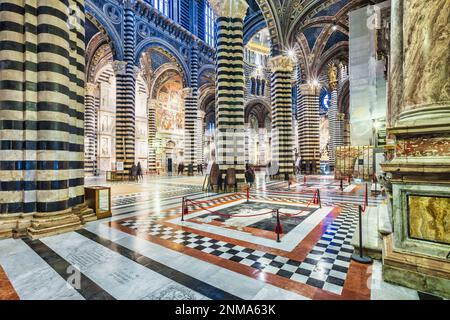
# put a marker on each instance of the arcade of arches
(240, 137)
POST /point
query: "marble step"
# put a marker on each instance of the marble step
(384, 220)
(416, 271)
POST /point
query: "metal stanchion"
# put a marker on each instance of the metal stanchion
(366, 198)
(319, 202)
(278, 227)
(361, 258)
(342, 185)
(183, 208)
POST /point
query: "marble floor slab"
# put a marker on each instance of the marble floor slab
(144, 251)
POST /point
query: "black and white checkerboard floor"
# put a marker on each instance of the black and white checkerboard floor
(325, 267)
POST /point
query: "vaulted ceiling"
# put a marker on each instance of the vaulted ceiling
(316, 29)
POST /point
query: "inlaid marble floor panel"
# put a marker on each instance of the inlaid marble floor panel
(146, 251)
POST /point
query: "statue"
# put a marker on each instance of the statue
(332, 76)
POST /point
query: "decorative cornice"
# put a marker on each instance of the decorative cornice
(253, 46)
(281, 63)
(229, 8)
(171, 28)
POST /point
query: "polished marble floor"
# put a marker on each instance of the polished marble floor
(224, 247)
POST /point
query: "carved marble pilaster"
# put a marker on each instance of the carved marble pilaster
(417, 253)
(426, 80)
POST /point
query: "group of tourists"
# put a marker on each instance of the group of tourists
(136, 172)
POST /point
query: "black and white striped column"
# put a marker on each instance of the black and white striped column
(151, 136)
(333, 126)
(190, 114)
(200, 144)
(41, 117)
(190, 119)
(282, 134)
(230, 85)
(309, 126)
(90, 129)
(126, 93)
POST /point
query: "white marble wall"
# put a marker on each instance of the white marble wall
(367, 84)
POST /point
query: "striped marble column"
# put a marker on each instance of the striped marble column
(126, 73)
(262, 146)
(200, 144)
(190, 119)
(248, 131)
(151, 135)
(309, 125)
(230, 85)
(90, 129)
(190, 115)
(281, 94)
(332, 113)
(42, 122)
(333, 126)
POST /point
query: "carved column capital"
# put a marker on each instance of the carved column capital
(119, 67)
(200, 114)
(151, 103)
(309, 89)
(91, 89)
(136, 71)
(281, 63)
(229, 8)
(186, 92)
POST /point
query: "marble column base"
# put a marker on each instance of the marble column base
(84, 213)
(418, 272)
(7, 223)
(48, 224)
(39, 225)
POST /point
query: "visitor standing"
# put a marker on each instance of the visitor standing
(140, 174)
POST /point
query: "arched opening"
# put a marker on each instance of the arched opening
(258, 134)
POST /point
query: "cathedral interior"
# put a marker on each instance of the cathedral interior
(224, 150)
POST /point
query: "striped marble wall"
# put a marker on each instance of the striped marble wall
(41, 116)
(90, 129)
(282, 135)
(309, 125)
(230, 84)
(105, 111)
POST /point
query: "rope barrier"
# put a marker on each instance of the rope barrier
(282, 192)
(278, 228)
(313, 200)
(365, 198)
